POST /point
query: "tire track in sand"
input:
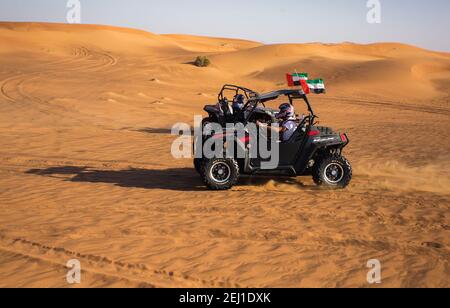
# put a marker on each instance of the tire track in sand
(102, 60)
(14, 82)
(86, 59)
(109, 267)
(58, 268)
(83, 58)
(12, 90)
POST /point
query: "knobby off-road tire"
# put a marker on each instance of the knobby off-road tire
(333, 172)
(220, 173)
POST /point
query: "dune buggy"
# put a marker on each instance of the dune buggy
(311, 151)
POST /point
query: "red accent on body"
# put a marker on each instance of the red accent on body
(245, 139)
(314, 133)
(219, 136)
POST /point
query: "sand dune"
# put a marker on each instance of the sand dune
(210, 44)
(388, 67)
(86, 170)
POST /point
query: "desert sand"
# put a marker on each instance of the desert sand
(86, 170)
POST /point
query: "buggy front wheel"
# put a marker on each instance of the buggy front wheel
(333, 172)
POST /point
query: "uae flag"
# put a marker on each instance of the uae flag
(297, 80)
(317, 86)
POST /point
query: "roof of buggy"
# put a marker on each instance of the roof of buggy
(255, 96)
(297, 93)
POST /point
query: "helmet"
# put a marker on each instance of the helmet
(238, 102)
(239, 99)
(286, 111)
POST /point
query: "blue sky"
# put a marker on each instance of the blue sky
(423, 23)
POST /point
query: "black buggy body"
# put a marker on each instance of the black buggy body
(311, 151)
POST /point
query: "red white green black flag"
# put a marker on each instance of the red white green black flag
(301, 79)
(316, 85)
(297, 80)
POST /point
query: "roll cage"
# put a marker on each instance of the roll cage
(254, 99)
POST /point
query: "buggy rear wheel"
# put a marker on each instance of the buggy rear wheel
(333, 172)
(220, 174)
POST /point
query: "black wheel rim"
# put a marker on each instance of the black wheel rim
(334, 173)
(220, 172)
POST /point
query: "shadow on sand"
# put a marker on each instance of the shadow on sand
(178, 179)
(181, 179)
(151, 130)
(161, 131)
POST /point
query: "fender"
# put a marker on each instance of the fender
(316, 143)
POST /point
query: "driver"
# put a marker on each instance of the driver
(288, 122)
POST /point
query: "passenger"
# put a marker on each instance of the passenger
(288, 124)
